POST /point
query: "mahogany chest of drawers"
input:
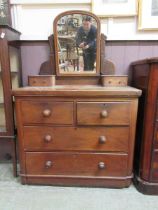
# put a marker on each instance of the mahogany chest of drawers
(70, 135)
(145, 77)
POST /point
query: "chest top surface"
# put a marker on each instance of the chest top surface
(78, 90)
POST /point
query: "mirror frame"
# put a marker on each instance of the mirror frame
(97, 72)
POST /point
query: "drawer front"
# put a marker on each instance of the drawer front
(76, 164)
(98, 113)
(47, 112)
(69, 138)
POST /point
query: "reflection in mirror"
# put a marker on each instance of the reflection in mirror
(77, 35)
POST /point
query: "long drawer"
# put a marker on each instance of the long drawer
(69, 138)
(47, 112)
(76, 164)
(99, 113)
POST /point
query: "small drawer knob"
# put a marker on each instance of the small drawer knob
(104, 114)
(47, 138)
(46, 112)
(101, 165)
(48, 164)
(102, 139)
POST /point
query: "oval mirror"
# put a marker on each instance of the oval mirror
(77, 43)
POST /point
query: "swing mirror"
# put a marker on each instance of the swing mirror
(77, 43)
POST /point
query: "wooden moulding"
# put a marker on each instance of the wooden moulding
(41, 80)
(145, 187)
(114, 80)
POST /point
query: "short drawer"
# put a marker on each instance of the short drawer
(99, 113)
(76, 164)
(69, 138)
(47, 112)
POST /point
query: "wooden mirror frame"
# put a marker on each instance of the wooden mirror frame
(97, 72)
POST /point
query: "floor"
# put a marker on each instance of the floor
(14, 196)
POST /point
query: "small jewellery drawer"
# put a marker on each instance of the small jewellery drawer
(76, 164)
(37, 138)
(100, 113)
(47, 112)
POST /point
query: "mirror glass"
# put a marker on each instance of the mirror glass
(77, 44)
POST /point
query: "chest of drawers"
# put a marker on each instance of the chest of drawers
(75, 136)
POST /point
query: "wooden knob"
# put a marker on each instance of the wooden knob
(48, 164)
(102, 139)
(47, 138)
(46, 112)
(104, 114)
(101, 165)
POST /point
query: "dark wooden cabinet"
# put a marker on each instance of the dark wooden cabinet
(9, 78)
(145, 77)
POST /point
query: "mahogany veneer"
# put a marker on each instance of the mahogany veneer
(76, 135)
(145, 77)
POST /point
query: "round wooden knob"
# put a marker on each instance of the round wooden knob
(104, 114)
(48, 164)
(102, 139)
(101, 165)
(47, 138)
(46, 113)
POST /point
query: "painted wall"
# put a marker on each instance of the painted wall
(34, 18)
(122, 53)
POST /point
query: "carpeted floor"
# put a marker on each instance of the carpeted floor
(14, 196)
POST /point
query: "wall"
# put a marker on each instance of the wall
(33, 54)
(34, 18)
(122, 53)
